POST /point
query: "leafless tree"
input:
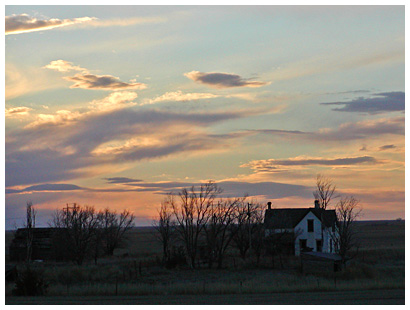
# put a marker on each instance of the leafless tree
(165, 227)
(30, 225)
(114, 226)
(79, 226)
(281, 239)
(249, 220)
(218, 231)
(325, 191)
(344, 236)
(258, 231)
(191, 213)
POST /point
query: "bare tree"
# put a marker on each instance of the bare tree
(248, 221)
(192, 214)
(258, 231)
(30, 225)
(218, 231)
(79, 226)
(325, 191)
(281, 237)
(344, 235)
(165, 227)
(114, 226)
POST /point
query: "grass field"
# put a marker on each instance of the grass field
(379, 266)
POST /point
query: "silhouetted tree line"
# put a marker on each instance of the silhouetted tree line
(85, 233)
(195, 226)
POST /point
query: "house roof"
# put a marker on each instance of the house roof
(289, 218)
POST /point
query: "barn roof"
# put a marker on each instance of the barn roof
(290, 217)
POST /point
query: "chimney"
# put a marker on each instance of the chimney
(269, 205)
(317, 205)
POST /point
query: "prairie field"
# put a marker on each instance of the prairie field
(135, 275)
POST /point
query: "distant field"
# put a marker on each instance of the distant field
(142, 241)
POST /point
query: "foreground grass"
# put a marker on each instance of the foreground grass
(220, 282)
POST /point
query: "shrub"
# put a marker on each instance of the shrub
(30, 283)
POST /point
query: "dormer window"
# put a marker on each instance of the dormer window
(310, 226)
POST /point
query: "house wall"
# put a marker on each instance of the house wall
(301, 230)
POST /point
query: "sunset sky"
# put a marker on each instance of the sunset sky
(115, 106)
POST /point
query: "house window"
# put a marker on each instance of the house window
(302, 244)
(319, 245)
(310, 225)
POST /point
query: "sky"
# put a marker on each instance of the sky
(117, 106)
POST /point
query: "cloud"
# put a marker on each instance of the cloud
(116, 100)
(272, 165)
(22, 23)
(272, 190)
(180, 96)
(387, 147)
(45, 188)
(121, 180)
(61, 118)
(63, 66)
(348, 131)
(127, 21)
(17, 112)
(70, 145)
(382, 102)
(104, 82)
(86, 80)
(222, 80)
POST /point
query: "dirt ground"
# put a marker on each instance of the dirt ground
(371, 297)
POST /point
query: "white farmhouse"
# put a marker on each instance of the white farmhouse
(307, 229)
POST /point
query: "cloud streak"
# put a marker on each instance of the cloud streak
(23, 23)
(273, 165)
(64, 66)
(104, 82)
(363, 130)
(180, 96)
(222, 80)
(87, 80)
(17, 112)
(382, 102)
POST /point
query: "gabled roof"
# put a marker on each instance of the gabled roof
(290, 217)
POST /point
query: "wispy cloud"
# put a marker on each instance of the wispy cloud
(17, 112)
(104, 82)
(22, 23)
(381, 102)
(362, 130)
(45, 188)
(387, 147)
(273, 165)
(180, 96)
(122, 180)
(222, 80)
(64, 66)
(127, 21)
(87, 80)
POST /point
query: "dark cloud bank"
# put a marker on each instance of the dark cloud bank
(381, 102)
